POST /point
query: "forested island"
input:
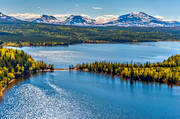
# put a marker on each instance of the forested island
(167, 71)
(33, 34)
(15, 64)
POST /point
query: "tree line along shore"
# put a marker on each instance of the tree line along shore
(33, 34)
(167, 71)
(16, 63)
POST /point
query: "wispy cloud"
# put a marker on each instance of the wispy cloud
(97, 8)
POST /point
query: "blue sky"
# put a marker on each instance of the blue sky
(168, 9)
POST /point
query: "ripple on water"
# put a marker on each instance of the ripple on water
(29, 101)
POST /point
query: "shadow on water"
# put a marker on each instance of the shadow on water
(133, 82)
(147, 83)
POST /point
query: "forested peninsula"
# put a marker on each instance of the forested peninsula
(36, 34)
(167, 71)
(15, 63)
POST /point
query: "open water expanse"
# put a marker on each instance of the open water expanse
(84, 95)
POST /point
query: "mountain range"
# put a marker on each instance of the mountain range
(79, 20)
(139, 19)
(133, 19)
(5, 18)
(44, 19)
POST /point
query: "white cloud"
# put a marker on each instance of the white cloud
(85, 15)
(106, 18)
(25, 15)
(165, 19)
(169, 20)
(159, 17)
(97, 8)
(61, 17)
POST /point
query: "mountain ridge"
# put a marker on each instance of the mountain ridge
(133, 19)
(78, 20)
(139, 19)
(5, 18)
(44, 19)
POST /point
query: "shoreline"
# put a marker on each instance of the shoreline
(6, 87)
(62, 69)
(13, 81)
(166, 71)
(89, 43)
(130, 79)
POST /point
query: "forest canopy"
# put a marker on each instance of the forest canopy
(16, 63)
(168, 71)
(33, 34)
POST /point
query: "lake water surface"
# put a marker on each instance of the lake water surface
(84, 95)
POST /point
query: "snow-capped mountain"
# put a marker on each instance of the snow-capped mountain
(79, 21)
(139, 19)
(133, 19)
(5, 18)
(44, 19)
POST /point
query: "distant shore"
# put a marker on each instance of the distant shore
(167, 71)
(66, 45)
(62, 69)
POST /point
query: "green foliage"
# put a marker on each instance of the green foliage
(32, 34)
(167, 71)
(51, 67)
(16, 63)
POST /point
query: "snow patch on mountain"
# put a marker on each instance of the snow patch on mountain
(133, 19)
(5, 18)
(138, 19)
(24, 16)
(45, 19)
(79, 20)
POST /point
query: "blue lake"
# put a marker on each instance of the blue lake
(83, 95)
